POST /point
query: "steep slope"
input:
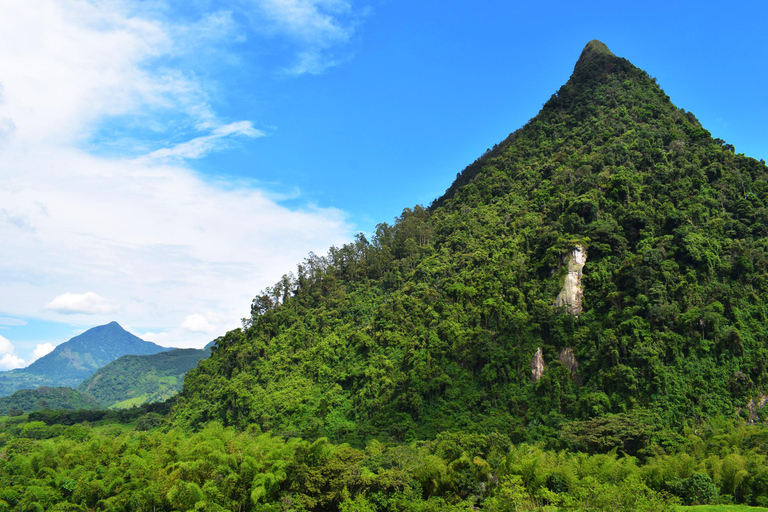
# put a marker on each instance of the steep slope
(133, 380)
(75, 360)
(610, 256)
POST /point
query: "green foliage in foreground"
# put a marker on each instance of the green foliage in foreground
(88, 466)
(134, 379)
(722, 508)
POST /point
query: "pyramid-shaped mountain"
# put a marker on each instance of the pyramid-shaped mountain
(75, 360)
(608, 257)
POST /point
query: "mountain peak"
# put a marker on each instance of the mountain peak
(596, 57)
(73, 361)
(596, 45)
(111, 326)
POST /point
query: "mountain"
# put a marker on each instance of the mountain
(133, 380)
(30, 400)
(608, 258)
(75, 360)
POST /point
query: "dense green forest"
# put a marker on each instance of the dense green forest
(135, 379)
(446, 363)
(53, 462)
(29, 400)
(432, 324)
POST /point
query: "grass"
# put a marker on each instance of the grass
(127, 404)
(722, 508)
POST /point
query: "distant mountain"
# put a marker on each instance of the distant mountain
(134, 380)
(77, 359)
(30, 400)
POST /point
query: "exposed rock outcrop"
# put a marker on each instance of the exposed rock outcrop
(537, 365)
(755, 404)
(572, 294)
(568, 359)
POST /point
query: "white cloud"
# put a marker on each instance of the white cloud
(9, 360)
(4, 320)
(41, 350)
(89, 53)
(319, 22)
(201, 146)
(317, 28)
(6, 347)
(197, 323)
(85, 303)
(148, 233)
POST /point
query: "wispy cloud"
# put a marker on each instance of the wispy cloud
(201, 146)
(318, 29)
(148, 233)
(319, 22)
(7, 321)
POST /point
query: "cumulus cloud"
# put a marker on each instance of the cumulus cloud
(41, 350)
(9, 360)
(6, 347)
(197, 323)
(85, 303)
(149, 233)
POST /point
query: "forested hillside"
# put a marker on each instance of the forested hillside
(432, 324)
(133, 380)
(29, 400)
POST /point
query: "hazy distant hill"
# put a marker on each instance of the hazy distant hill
(77, 359)
(29, 400)
(133, 380)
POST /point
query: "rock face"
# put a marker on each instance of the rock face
(568, 358)
(755, 404)
(572, 293)
(537, 366)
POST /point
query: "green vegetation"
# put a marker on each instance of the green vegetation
(395, 374)
(29, 400)
(123, 463)
(431, 325)
(132, 380)
(722, 508)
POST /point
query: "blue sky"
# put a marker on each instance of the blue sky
(161, 162)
